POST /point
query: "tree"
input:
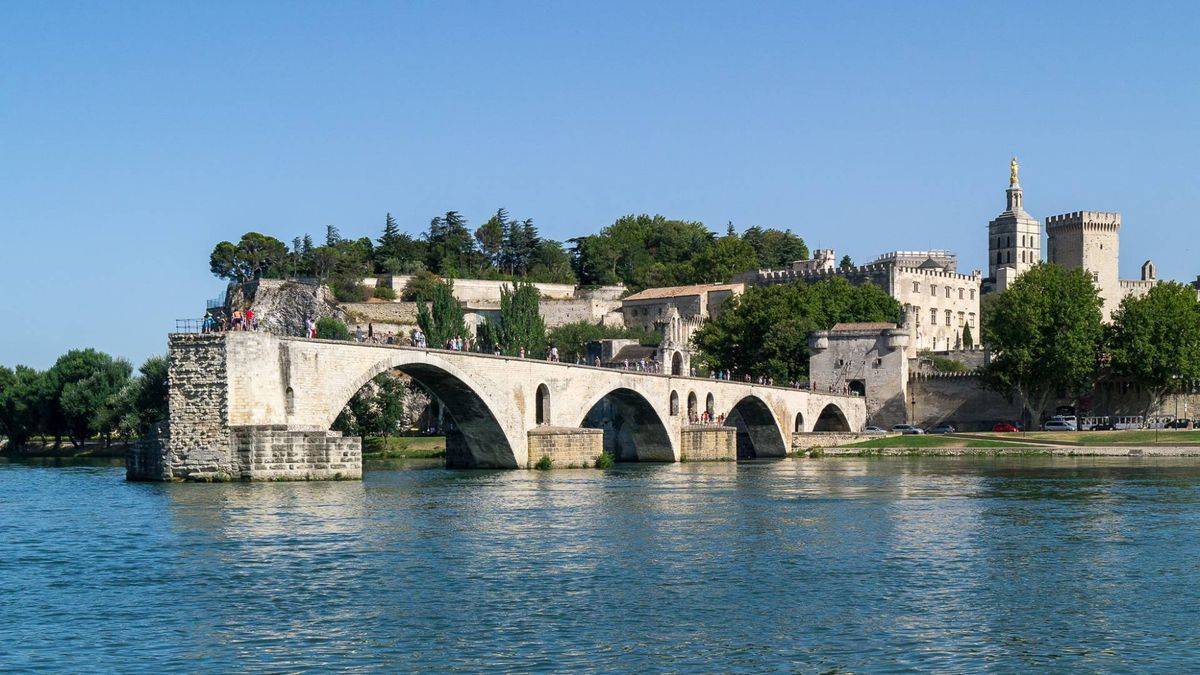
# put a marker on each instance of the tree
(375, 410)
(253, 257)
(764, 331)
(20, 404)
(332, 236)
(722, 259)
(639, 251)
(775, 248)
(451, 248)
(572, 339)
(420, 288)
(551, 264)
(329, 328)
(519, 325)
(398, 252)
(846, 264)
(1045, 332)
(968, 340)
(490, 236)
(442, 319)
(391, 232)
(90, 381)
(1154, 341)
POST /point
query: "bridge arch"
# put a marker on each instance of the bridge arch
(758, 434)
(831, 419)
(633, 430)
(475, 440)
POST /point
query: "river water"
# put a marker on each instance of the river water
(810, 565)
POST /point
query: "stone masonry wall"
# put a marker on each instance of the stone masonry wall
(197, 446)
(277, 453)
(827, 439)
(708, 444)
(565, 446)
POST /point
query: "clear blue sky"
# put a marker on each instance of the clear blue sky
(135, 136)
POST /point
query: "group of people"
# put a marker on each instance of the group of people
(706, 418)
(238, 320)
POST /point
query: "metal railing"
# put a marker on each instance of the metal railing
(189, 325)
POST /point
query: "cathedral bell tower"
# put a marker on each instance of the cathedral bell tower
(1014, 237)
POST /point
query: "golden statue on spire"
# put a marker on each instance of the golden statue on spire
(1013, 168)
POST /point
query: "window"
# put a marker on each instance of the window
(949, 317)
(947, 291)
(972, 293)
(933, 290)
(933, 317)
(962, 318)
(971, 319)
(916, 287)
(960, 294)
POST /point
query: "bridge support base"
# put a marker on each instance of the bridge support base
(567, 447)
(708, 444)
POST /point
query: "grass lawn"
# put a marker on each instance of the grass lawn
(404, 447)
(936, 442)
(1095, 438)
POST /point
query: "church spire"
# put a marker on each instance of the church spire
(1014, 186)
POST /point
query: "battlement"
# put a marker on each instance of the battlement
(870, 269)
(1101, 220)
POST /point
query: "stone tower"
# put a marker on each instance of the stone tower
(1089, 240)
(1014, 238)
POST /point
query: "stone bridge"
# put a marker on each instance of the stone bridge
(258, 406)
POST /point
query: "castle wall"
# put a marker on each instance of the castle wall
(1089, 240)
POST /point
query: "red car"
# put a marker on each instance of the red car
(1005, 427)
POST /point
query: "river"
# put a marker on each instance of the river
(856, 564)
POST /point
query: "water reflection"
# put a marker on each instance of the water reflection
(857, 564)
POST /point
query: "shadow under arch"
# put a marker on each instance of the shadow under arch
(758, 435)
(831, 419)
(633, 431)
(475, 439)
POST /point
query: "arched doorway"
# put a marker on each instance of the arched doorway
(543, 404)
(692, 416)
(677, 364)
(858, 387)
(799, 423)
(831, 419)
(758, 435)
(710, 405)
(474, 438)
(632, 429)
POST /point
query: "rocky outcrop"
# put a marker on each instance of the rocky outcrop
(281, 306)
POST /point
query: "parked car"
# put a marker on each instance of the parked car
(1005, 428)
(908, 429)
(943, 429)
(874, 430)
(1178, 424)
(1060, 421)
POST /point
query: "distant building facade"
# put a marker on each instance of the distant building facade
(701, 301)
(868, 359)
(940, 304)
(1091, 241)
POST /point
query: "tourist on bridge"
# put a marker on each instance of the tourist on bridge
(310, 327)
(553, 354)
(251, 323)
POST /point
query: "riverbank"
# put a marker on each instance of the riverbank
(1165, 443)
(404, 447)
(65, 451)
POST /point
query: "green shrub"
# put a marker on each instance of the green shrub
(544, 463)
(605, 461)
(422, 287)
(329, 328)
(385, 293)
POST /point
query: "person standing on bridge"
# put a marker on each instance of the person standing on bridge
(554, 354)
(310, 327)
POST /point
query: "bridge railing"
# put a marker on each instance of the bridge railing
(189, 325)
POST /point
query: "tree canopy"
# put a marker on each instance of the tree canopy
(1154, 340)
(1045, 333)
(764, 331)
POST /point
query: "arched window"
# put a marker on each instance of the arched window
(674, 403)
(677, 363)
(710, 405)
(799, 422)
(543, 404)
(691, 406)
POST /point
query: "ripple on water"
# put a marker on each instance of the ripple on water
(880, 564)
